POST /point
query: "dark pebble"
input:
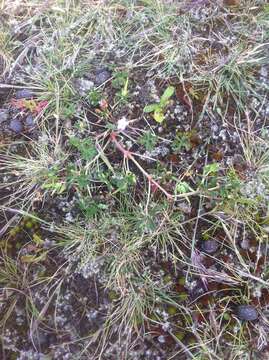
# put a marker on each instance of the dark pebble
(29, 121)
(102, 76)
(24, 94)
(247, 312)
(210, 246)
(16, 126)
(3, 115)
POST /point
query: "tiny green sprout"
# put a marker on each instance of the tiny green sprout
(28, 224)
(172, 310)
(226, 316)
(95, 97)
(158, 108)
(179, 335)
(181, 141)
(183, 187)
(149, 140)
(120, 80)
(85, 147)
(122, 95)
(68, 110)
(211, 169)
(124, 91)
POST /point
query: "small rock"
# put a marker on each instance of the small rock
(24, 94)
(210, 246)
(16, 126)
(83, 86)
(247, 312)
(3, 115)
(29, 121)
(161, 339)
(102, 76)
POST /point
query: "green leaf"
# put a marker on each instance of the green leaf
(124, 91)
(167, 94)
(85, 147)
(211, 169)
(150, 108)
(182, 187)
(158, 116)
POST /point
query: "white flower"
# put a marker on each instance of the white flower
(122, 124)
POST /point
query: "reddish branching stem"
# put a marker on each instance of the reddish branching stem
(127, 154)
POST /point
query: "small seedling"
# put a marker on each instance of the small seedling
(158, 109)
(85, 147)
(119, 80)
(181, 141)
(123, 94)
(68, 110)
(149, 140)
(211, 169)
(95, 97)
(90, 207)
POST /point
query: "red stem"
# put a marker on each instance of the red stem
(128, 154)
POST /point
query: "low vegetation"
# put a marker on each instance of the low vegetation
(134, 164)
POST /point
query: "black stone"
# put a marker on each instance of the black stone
(247, 312)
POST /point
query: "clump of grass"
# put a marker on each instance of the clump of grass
(116, 244)
(31, 176)
(7, 46)
(233, 80)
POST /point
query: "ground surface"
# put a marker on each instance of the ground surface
(134, 164)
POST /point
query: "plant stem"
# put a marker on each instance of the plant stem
(127, 154)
